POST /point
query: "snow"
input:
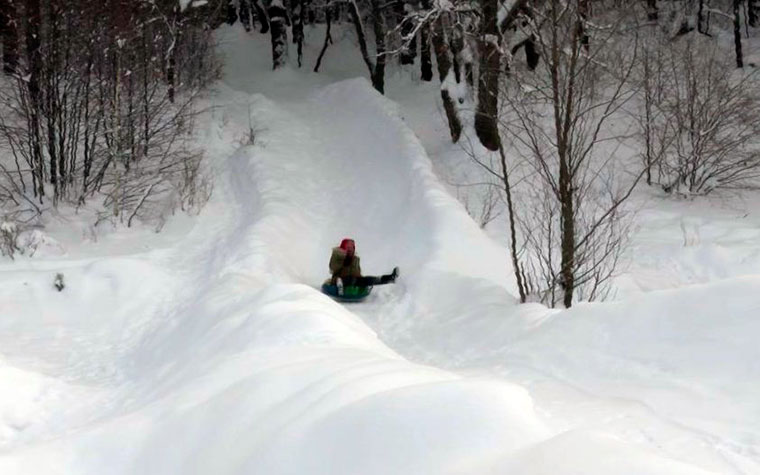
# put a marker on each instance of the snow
(184, 4)
(8, 227)
(207, 348)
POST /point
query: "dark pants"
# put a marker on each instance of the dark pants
(368, 280)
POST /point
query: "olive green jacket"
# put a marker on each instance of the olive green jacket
(337, 268)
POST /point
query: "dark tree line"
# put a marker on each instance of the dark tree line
(470, 40)
(98, 102)
(9, 38)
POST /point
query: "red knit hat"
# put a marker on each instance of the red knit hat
(348, 245)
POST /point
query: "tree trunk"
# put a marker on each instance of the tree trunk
(339, 10)
(88, 131)
(567, 272)
(701, 18)
(753, 13)
(512, 226)
(409, 48)
(261, 16)
(230, 12)
(376, 69)
(50, 93)
(563, 90)
(649, 100)
(278, 26)
(379, 27)
(310, 14)
(653, 13)
(532, 56)
(486, 121)
(583, 14)
(462, 57)
(456, 45)
(9, 35)
(443, 58)
(298, 35)
(245, 14)
(426, 61)
(170, 74)
(328, 40)
(33, 30)
(563, 112)
(738, 35)
(171, 68)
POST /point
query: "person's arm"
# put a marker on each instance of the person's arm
(336, 260)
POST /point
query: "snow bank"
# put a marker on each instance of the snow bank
(212, 356)
(610, 456)
(284, 381)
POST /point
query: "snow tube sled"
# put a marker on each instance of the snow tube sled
(351, 293)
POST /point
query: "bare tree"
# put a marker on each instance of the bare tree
(574, 223)
(705, 118)
(95, 112)
(651, 74)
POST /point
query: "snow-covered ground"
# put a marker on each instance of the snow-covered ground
(207, 348)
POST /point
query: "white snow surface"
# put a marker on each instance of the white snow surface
(208, 348)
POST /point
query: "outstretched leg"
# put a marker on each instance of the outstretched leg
(368, 280)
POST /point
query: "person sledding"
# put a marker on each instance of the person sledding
(346, 279)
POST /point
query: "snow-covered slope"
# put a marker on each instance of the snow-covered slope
(211, 351)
